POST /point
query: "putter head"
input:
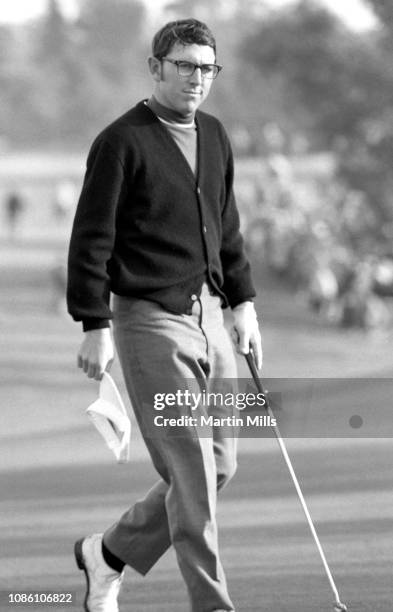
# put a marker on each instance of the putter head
(340, 607)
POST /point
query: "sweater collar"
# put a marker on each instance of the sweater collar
(168, 114)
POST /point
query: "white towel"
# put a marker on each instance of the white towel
(110, 417)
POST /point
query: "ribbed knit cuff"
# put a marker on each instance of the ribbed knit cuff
(238, 302)
(89, 324)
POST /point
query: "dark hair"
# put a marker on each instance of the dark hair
(185, 32)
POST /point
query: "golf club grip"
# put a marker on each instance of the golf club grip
(253, 369)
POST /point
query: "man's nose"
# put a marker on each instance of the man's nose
(196, 77)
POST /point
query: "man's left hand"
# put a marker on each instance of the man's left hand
(245, 331)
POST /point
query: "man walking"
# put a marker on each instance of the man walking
(157, 226)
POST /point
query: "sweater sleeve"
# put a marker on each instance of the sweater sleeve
(93, 236)
(238, 285)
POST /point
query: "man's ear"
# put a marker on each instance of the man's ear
(155, 68)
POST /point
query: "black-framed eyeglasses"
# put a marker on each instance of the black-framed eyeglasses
(187, 69)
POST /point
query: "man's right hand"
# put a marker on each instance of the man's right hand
(96, 352)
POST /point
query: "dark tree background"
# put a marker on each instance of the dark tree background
(61, 79)
(299, 67)
(338, 91)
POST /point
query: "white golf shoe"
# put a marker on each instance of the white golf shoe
(103, 583)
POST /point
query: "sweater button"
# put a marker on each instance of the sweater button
(198, 190)
(204, 229)
(194, 297)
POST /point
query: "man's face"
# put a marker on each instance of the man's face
(183, 94)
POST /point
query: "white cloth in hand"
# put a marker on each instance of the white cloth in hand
(110, 417)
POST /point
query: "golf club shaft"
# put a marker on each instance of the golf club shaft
(254, 372)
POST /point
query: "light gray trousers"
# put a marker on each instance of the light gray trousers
(161, 352)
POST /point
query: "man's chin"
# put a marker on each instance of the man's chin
(190, 107)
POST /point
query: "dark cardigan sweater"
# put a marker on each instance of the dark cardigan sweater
(146, 227)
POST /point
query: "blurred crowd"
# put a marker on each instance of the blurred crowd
(39, 215)
(321, 238)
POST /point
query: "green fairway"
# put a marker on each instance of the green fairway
(58, 482)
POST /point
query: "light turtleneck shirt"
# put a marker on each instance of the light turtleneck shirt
(182, 130)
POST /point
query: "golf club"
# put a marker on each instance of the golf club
(338, 606)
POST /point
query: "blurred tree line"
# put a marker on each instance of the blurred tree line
(61, 80)
(337, 91)
(298, 67)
